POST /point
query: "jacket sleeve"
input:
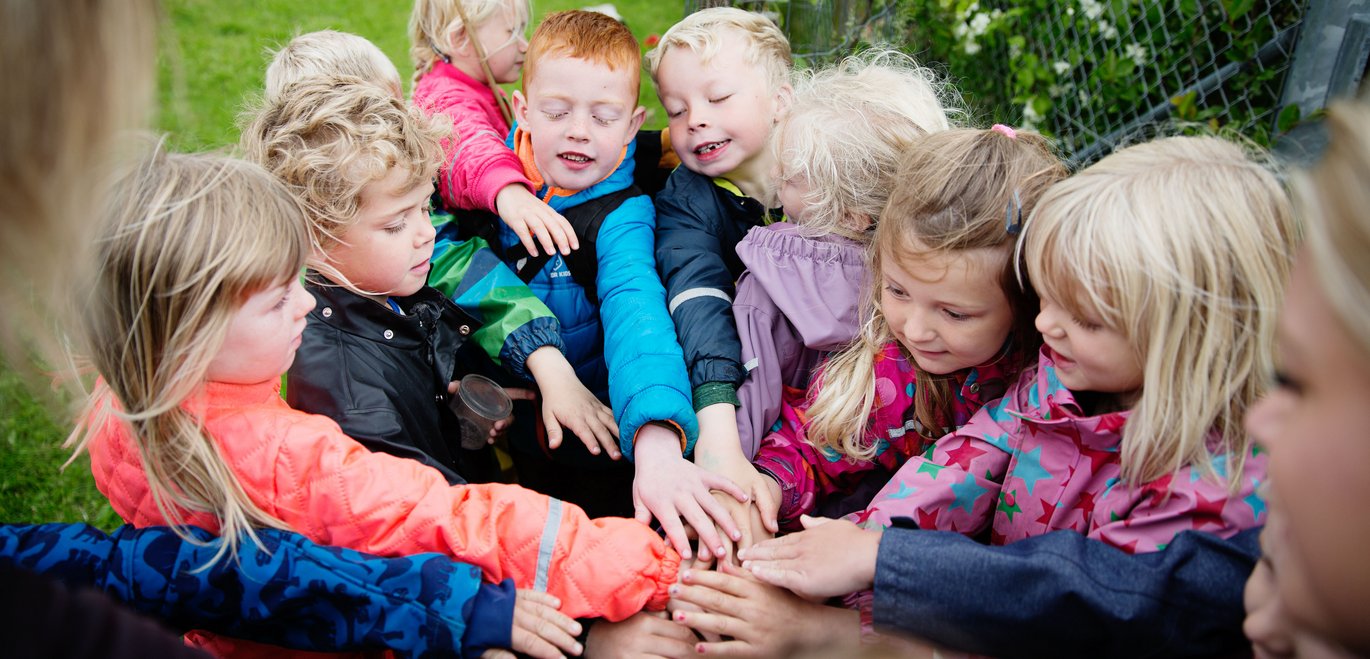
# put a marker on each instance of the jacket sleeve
(326, 486)
(477, 163)
(1183, 501)
(955, 484)
(699, 295)
(514, 322)
(1071, 596)
(288, 591)
(759, 397)
(647, 380)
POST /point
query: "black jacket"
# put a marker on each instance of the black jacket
(699, 225)
(383, 377)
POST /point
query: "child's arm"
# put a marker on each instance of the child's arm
(642, 635)
(567, 403)
(828, 558)
(531, 217)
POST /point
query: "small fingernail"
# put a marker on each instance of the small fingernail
(699, 648)
(594, 451)
(737, 535)
(577, 649)
(576, 629)
(673, 590)
(686, 576)
(680, 616)
(718, 551)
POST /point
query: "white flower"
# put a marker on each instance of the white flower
(1056, 91)
(979, 24)
(1135, 52)
(1082, 97)
(972, 47)
(1092, 9)
(1107, 31)
(1015, 51)
(1061, 67)
(1030, 115)
(961, 31)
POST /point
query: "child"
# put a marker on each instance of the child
(382, 347)
(948, 331)
(327, 53)
(839, 152)
(194, 316)
(458, 67)
(723, 76)
(1313, 420)
(578, 114)
(1158, 268)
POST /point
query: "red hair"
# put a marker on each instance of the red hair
(586, 35)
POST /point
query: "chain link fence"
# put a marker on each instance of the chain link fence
(1092, 73)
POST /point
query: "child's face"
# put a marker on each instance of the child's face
(721, 111)
(505, 42)
(1269, 625)
(1088, 355)
(386, 251)
(947, 310)
(580, 116)
(1313, 424)
(263, 335)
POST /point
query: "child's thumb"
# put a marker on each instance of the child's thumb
(811, 522)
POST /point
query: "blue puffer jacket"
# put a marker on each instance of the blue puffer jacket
(627, 347)
(291, 592)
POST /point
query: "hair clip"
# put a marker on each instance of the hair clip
(1013, 215)
(1005, 130)
(441, 55)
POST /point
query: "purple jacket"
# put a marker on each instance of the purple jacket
(798, 301)
(823, 481)
(1032, 463)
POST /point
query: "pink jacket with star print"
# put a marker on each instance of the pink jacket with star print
(821, 481)
(1032, 463)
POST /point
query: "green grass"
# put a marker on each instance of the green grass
(213, 59)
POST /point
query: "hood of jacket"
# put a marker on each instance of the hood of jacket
(815, 281)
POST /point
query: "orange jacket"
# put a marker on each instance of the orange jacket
(302, 469)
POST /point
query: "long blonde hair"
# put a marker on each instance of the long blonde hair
(1183, 245)
(187, 239)
(431, 20)
(86, 74)
(327, 138)
(847, 128)
(953, 192)
(1334, 200)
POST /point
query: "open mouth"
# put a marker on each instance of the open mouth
(575, 159)
(710, 147)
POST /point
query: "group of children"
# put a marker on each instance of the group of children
(842, 302)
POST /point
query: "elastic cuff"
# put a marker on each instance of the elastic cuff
(537, 333)
(684, 441)
(712, 393)
(490, 618)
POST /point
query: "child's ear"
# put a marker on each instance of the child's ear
(454, 39)
(639, 116)
(520, 109)
(784, 98)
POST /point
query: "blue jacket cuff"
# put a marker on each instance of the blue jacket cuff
(534, 334)
(489, 618)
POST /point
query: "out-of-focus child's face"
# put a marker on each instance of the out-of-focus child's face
(503, 36)
(1314, 425)
(263, 335)
(387, 249)
(580, 115)
(1268, 625)
(721, 111)
(947, 310)
(1088, 355)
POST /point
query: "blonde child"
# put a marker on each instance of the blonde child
(383, 347)
(578, 115)
(462, 51)
(947, 332)
(195, 314)
(723, 77)
(838, 151)
(328, 53)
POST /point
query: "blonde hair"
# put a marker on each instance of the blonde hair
(87, 73)
(187, 239)
(329, 53)
(1183, 245)
(1334, 199)
(847, 128)
(328, 138)
(952, 193)
(702, 32)
(586, 35)
(431, 20)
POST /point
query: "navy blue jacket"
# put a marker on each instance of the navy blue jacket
(1064, 595)
(291, 592)
(699, 224)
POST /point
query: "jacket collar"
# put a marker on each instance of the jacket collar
(349, 312)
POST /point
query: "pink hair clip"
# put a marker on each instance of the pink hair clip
(1009, 132)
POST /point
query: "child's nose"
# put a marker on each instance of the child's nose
(697, 118)
(1047, 322)
(917, 327)
(425, 234)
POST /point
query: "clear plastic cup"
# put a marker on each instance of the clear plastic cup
(478, 404)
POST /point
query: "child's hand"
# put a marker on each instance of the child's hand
(528, 216)
(539, 629)
(826, 559)
(719, 450)
(567, 403)
(755, 619)
(642, 635)
(669, 487)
